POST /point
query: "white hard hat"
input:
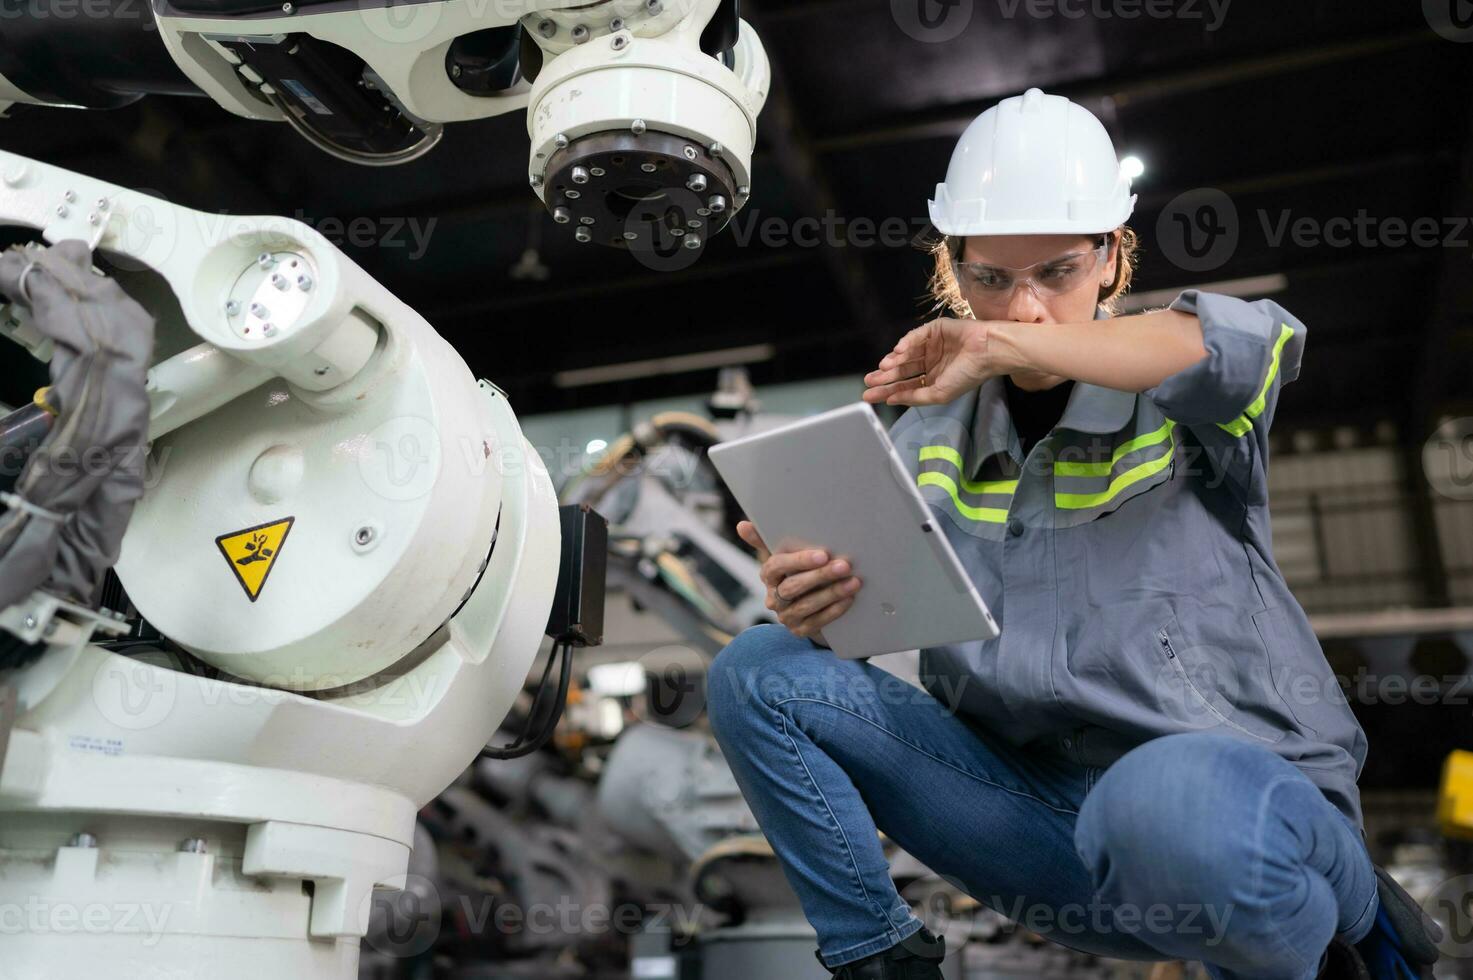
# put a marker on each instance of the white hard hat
(1033, 164)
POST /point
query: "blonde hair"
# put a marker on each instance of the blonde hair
(945, 293)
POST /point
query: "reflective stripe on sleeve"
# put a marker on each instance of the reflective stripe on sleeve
(1243, 424)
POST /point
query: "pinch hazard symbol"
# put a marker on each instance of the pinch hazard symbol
(252, 553)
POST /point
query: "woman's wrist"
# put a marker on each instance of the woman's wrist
(1007, 346)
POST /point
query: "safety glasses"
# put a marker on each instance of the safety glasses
(1052, 277)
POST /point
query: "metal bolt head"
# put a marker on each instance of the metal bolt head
(616, 25)
(61, 211)
(562, 215)
(232, 307)
(692, 241)
(620, 42)
(321, 372)
(580, 175)
(265, 260)
(287, 8)
(304, 283)
(677, 232)
(587, 219)
(696, 182)
(717, 149)
(82, 840)
(547, 28)
(280, 282)
(638, 127)
(717, 203)
(92, 218)
(30, 622)
(648, 168)
(694, 223)
(560, 141)
(703, 212)
(456, 71)
(364, 535)
(572, 195)
(193, 845)
(596, 171)
(583, 235)
(259, 311)
(70, 197)
(580, 33)
(630, 236)
(690, 152)
(269, 329)
(102, 204)
(744, 191)
(653, 7)
(535, 180)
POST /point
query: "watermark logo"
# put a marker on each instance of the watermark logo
(663, 238)
(142, 229)
(399, 21)
(400, 459)
(403, 919)
(40, 916)
(1451, 905)
(1451, 19)
(1198, 230)
(932, 21)
(1447, 459)
(133, 695)
(673, 680)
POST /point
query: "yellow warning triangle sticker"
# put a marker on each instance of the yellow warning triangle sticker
(252, 552)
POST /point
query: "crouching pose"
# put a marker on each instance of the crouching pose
(1153, 761)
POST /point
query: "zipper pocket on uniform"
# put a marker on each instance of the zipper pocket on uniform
(1181, 669)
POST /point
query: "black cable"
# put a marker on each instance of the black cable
(521, 747)
(536, 707)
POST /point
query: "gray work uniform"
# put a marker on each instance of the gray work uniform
(1129, 564)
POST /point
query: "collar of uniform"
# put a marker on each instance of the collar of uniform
(1091, 408)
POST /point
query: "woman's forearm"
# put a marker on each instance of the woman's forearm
(1128, 353)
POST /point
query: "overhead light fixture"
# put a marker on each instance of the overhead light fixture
(656, 366)
(1132, 167)
(595, 446)
(1255, 286)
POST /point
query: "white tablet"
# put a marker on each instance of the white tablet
(834, 481)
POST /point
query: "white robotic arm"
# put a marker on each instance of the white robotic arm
(642, 114)
(348, 529)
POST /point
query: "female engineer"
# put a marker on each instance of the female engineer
(1153, 760)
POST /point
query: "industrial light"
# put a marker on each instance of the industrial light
(615, 680)
(595, 446)
(656, 366)
(1132, 167)
(1255, 286)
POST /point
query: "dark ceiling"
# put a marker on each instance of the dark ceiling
(1314, 110)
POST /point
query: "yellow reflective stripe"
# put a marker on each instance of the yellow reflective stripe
(955, 459)
(1081, 501)
(1239, 426)
(1244, 423)
(993, 515)
(1103, 468)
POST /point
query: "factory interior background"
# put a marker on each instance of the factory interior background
(1313, 136)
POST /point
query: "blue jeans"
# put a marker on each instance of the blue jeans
(1193, 846)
